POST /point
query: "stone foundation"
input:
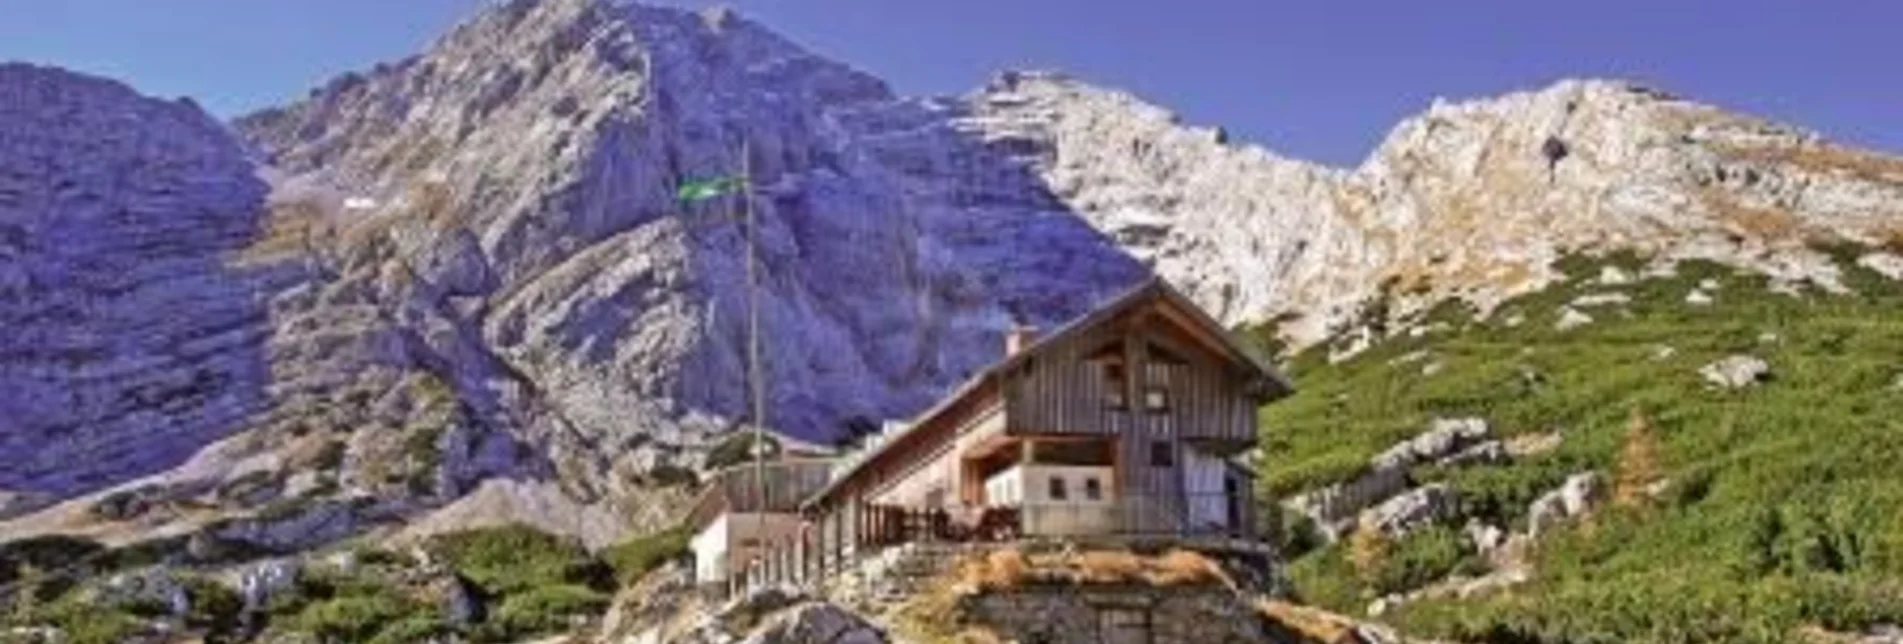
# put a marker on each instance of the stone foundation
(1116, 615)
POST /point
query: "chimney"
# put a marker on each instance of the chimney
(1019, 337)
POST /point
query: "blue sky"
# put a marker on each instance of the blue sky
(1319, 80)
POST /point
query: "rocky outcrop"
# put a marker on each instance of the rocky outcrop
(1335, 509)
(1412, 510)
(1578, 495)
(817, 623)
(131, 338)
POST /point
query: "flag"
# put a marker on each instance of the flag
(704, 189)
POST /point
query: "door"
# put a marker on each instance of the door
(1232, 497)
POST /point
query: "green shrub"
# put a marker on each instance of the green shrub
(83, 622)
(215, 607)
(543, 610)
(515, 558)
(636, 557)
(352, 618)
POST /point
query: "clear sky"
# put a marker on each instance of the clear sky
(1318, 80)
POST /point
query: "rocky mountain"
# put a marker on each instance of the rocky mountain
(1471, 200)
(130, 339)
(463, 278)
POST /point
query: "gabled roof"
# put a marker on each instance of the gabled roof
(1149, 290)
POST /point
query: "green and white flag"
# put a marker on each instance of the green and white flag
(704, 189)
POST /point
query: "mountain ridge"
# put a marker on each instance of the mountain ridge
(484, 235)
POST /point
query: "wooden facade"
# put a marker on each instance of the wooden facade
(1148, 388)
(786, 484)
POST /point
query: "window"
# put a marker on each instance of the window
(1058, 491)
(1113, 385)
(1156, 399)
(1093, 489)
(1162, 454)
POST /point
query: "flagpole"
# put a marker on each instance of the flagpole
(755, 384)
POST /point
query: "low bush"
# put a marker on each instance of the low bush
(516, 558)
(542, 610)
(636, 557)
(1749, 512)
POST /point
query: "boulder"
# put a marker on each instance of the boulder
(1698, 298)
(1544, 513)
(757, 603)
(1571, 318)
(1736, 371)
(816, 623)
(1579, 494)
(1486, 538)
(1412, 510)
(1614, 276)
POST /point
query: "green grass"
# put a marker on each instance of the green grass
(1785, 507)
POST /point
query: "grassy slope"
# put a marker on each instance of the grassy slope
(1786, 502)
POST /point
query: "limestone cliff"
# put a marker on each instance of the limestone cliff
(1472, 200)
(130, 336)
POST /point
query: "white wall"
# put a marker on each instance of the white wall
(710, 552)
(732, 539)
(1029, 487)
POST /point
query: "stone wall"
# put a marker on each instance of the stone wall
(1135, 614)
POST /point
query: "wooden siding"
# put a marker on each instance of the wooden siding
(738, 488)
(1064, 392)
(1055, 389)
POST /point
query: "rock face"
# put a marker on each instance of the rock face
(524, 173)
(1461, 201)
(130, 338)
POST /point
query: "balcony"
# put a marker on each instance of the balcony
(1202, 515)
